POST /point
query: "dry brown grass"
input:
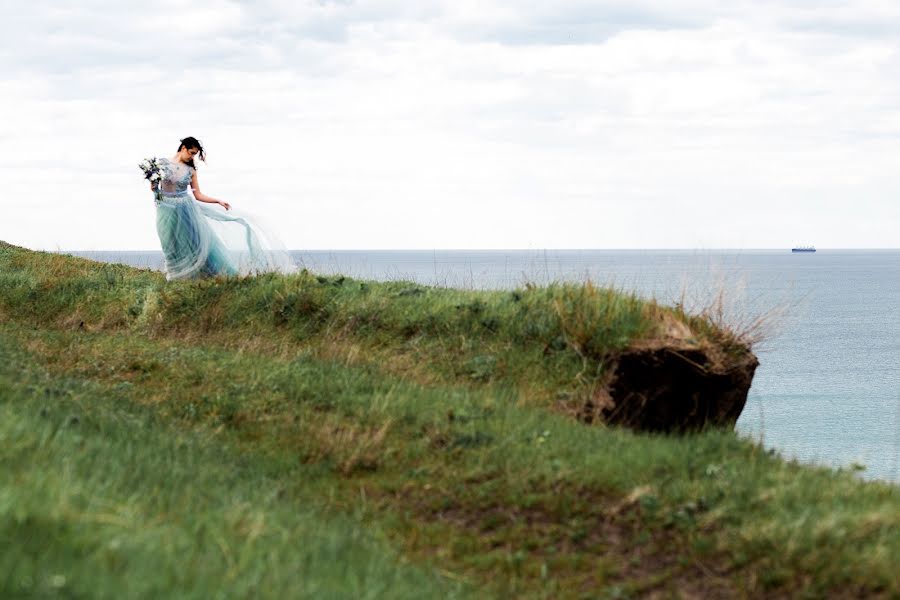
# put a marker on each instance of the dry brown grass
(351, 447)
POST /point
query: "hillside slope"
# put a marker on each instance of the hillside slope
(314, 436)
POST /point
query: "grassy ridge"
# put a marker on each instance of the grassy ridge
(458, 468)
(552, 343)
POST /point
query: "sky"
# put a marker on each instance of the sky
(459, 123)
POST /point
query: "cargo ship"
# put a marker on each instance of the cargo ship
(804, 249)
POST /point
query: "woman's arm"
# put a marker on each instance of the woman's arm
(195, 186)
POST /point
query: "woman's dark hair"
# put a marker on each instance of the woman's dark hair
(190, 143)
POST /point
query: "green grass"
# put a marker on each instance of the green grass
(550, 342)
(101, 498)
(359, 443)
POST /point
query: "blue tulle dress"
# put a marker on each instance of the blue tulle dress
(200, 239)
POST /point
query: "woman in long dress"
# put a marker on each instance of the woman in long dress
(201, 240)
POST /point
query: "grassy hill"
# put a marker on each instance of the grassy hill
(312, 436)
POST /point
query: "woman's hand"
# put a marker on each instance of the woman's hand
(153, 186)
(224, 205)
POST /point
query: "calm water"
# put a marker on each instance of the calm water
(828, 386)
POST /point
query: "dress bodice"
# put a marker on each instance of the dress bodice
(176, 176)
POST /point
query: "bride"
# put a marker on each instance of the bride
(201, 240)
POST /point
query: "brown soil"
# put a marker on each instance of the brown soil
(668, 388)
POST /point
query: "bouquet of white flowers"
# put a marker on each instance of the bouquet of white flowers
(153, 173)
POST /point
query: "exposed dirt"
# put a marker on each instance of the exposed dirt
(592, 539)
(673, 387)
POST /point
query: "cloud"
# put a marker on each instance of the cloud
(459, 124)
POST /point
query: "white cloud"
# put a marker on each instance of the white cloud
(459, 124)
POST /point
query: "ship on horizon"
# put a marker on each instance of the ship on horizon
(803, 249)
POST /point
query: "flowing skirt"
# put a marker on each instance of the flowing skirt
(200, 241)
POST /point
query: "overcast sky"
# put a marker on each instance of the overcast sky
(459, 123)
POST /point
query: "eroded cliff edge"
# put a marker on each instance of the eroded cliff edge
(603, 355)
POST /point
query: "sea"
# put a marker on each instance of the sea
(827, 390)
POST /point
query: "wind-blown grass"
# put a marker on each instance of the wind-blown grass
(446, 477)
(102, 499)
(550, 342)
